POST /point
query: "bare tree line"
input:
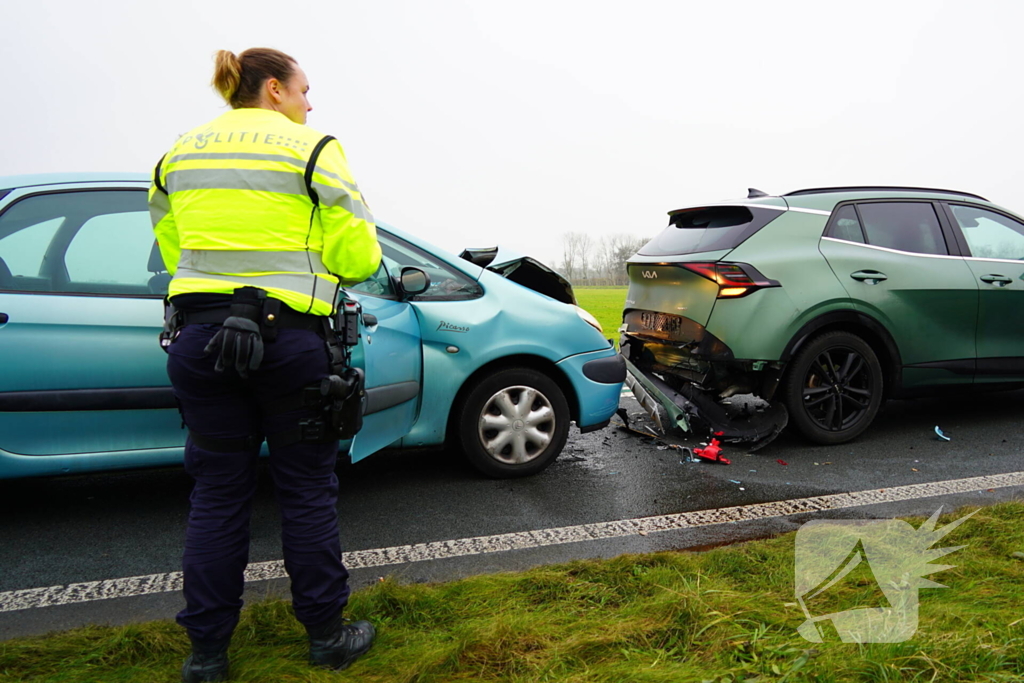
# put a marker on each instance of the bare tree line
(590, 261)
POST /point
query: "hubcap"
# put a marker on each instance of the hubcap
(838, 389)
(516, 425)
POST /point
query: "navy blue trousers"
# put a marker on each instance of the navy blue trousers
(224, 406)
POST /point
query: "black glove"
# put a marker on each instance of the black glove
(240, 345)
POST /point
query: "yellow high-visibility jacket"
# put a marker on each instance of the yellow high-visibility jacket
(237, 213)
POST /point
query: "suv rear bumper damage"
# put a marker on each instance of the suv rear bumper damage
(676, 367)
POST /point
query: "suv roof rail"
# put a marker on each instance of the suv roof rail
(881, 188)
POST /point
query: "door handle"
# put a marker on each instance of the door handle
(369, 319)
(4, 318)
(871, 277)
(997, 280)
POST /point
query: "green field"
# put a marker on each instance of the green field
(605, 304)
(723, 616)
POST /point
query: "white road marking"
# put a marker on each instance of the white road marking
(381, 557)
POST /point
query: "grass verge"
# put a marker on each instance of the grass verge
(605, 304)
(724, 616)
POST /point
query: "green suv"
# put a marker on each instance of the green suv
(823, 303)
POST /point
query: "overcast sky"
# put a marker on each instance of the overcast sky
(479, 123)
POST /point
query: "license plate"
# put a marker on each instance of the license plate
(660, 322)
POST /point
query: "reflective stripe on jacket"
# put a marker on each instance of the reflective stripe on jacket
(237, 212)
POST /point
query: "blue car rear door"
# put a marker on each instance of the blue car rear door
(81, 371)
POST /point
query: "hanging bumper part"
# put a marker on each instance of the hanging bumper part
(689, 409)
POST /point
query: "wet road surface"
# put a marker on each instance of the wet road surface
(98, 527)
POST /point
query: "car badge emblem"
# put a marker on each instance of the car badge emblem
(650, 274)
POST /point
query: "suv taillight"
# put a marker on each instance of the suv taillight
(734, 279)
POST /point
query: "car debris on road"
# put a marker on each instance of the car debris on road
(712, 452)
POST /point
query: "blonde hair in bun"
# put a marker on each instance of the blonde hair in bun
(227, 74)
(239, 79)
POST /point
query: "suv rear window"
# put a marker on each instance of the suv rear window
(711, 228)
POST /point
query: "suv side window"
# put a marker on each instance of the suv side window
(904, 226)
(446, 283)
(990, 234)
(846, 225)
(87, 242)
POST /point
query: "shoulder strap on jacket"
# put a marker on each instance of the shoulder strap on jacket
(311, 164)
(308, 176)
(156, 175)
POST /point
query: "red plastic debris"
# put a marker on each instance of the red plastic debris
(712, 452)
(782, 462)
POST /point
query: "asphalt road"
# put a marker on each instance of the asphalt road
(94, 528)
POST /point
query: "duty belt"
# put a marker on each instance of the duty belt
(337, 400)
(284, 317)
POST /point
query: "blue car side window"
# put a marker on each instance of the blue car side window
(378, 284)
(109, 255)
(446, 283)
(79, 242)
(23, 246)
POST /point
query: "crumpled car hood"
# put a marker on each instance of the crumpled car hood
(523, 270)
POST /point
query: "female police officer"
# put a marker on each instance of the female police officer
(259, 221)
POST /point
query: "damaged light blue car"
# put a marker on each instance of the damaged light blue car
(490, 357)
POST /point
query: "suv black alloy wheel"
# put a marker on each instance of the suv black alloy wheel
(833, 387)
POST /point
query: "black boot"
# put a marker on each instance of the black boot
(339, 642)
(208, 662)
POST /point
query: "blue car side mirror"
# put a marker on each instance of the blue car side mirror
(413, 281)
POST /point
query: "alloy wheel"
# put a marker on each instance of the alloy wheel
(838, 389)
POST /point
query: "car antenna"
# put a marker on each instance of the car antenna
(753, 193)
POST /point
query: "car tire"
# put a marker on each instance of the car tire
(833, 388)
(503, 438)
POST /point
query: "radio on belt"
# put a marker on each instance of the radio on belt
(348, 322)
